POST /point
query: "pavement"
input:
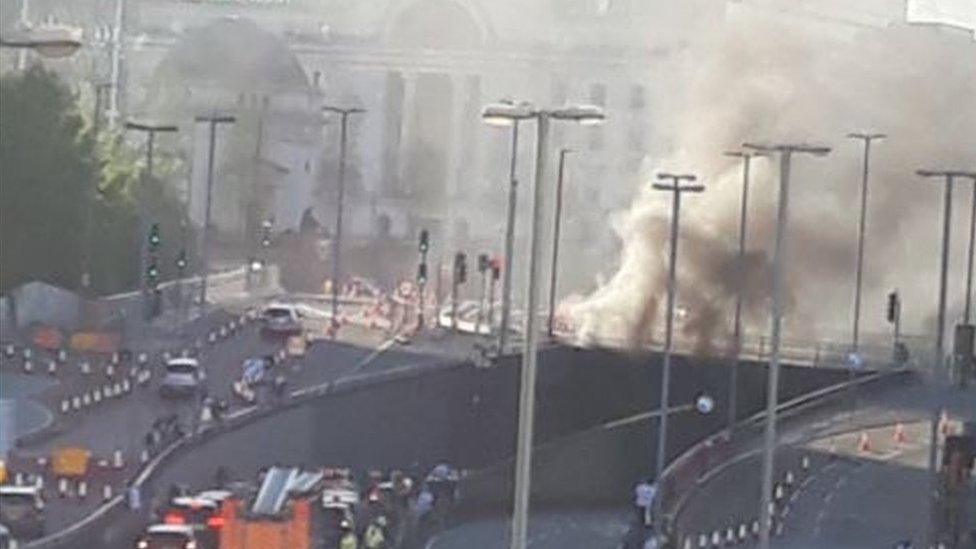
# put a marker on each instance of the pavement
(864, 487)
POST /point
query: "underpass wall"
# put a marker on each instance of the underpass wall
(465, 415)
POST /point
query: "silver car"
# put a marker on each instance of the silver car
(281, 319)
(183, 377)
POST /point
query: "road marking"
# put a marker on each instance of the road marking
(386, 345)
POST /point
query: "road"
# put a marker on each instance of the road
(853, 495)
(563, 529)
(124, 422)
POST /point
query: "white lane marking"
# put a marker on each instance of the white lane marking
(385, 346)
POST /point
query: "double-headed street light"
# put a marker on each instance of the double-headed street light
(938, 365)
(786, 152)
(746, 157)
(213, 120)
(337, 241)
(673, 184)
(859, 272)
(512, 113)
(510, 223)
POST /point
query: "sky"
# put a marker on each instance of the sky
(953, 12)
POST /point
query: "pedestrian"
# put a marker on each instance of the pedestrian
(347, 538)
(375, 536)
(644, 495)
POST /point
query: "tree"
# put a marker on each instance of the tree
(47, 167)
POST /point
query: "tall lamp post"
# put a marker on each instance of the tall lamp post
(557, 223)
(337, 241)
(786, 152)
(938, 365)
(746, 157)
(510, 222)
(150, 130)
(867, 138)
(969, 256)
(673, 184)
(499, 113)
(213, 120)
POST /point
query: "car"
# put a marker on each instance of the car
(183, 377)
(281, 319)
(22, 511)
(254, 370)
(202, 514)
(168, 536)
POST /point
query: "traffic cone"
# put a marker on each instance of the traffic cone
(864, 443)
(900, 436)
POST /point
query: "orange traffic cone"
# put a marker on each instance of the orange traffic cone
(864, 443)
(900, 437)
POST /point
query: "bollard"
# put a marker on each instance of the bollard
(778, 492)
(789, 478)
(805, 463)
(86, 367)
(28, 366)
(117, 461)
(65, 405)
(76, 402)
(144, 456)
(62, 355)
(86, 399)
(52, 367)
(167, 356)
(223, 332)
(716, 539)
(730, 536)
(19, 479)
(106, 492)
(755, 528)
(211, 337)
(126, 386)
(62, 487)
(39, 481)
(687, 544)
(115, 357)
(143, 358)
(82, 488)
(96, 396)
(743, 532)
(107, 390)
(27, 353)
(109, 371)
(10, 350)
(702, 541)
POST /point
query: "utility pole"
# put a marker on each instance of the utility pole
(746, 157)
(786, 152)
(674, 185)
(86, 274)
(213, 120)
(555, 239)
(459, 276)
(337, 241)
(858, 277)
(939, 365)
(509, 244)
(150, 130)
(484, 264)
(969, 257)
(495, 274)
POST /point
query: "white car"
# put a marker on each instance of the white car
(168, 536)
(183, 377)
(281, 319)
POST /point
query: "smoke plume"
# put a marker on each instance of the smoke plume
(761, 82)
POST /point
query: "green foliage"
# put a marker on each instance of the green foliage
(64, 193)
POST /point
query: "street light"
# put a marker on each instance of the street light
(938, 365)
(213, 120)
(858, 277)
(969, 257)
(494, 117)
(151, 130)
(673, 185)
(555, 238)
(786, 152)
(337, 241)
(500, 113)
(746, 157)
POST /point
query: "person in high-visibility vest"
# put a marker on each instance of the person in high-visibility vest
(375, 536)
(347, 540)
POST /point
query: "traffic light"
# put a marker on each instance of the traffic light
(892, 306)
(181, 260)
(154, 238)
(266, 232)
(424, 241)
(483, 263)
(461, 267)
(422, 273)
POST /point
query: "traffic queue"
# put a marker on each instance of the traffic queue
(292, 508)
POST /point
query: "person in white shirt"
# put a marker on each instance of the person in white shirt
(644, 494)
